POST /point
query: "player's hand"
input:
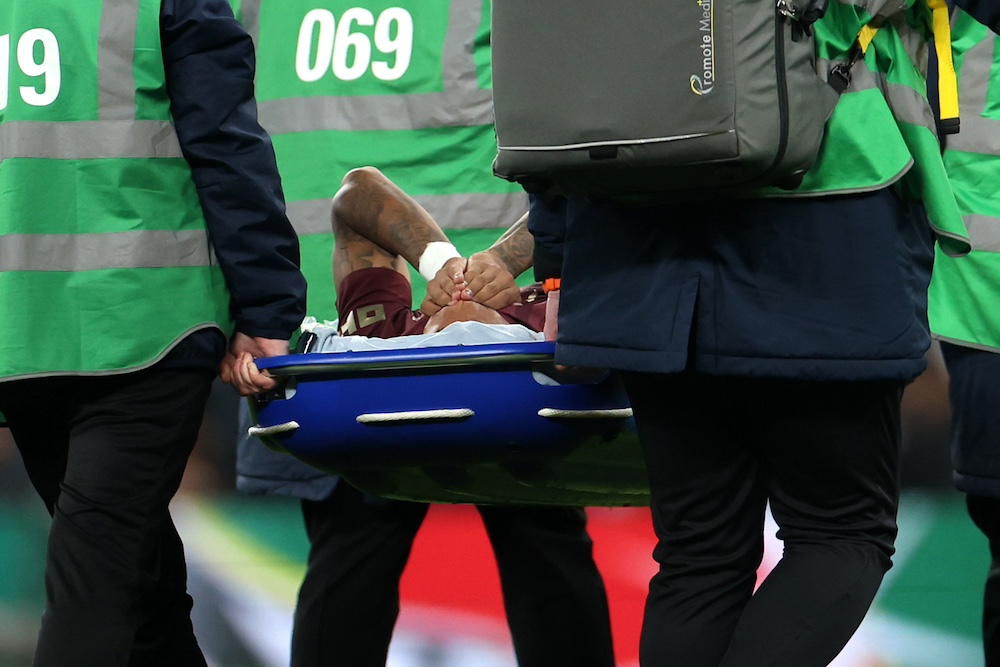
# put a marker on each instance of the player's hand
(238, 367)
(487, 281)
(446, 286)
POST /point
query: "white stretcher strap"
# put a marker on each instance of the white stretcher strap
(258, 431)
(415, 416)
(557, 413)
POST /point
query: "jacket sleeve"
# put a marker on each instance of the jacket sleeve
(547, 224)
(209, 62)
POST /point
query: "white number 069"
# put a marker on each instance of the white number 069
(325, 44)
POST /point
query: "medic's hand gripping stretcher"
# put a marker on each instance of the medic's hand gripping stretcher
(484, 423)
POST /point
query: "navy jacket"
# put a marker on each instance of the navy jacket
(986, 12)
(209, 62)
(830, 288)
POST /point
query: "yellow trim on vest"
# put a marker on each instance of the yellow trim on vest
(947, 78)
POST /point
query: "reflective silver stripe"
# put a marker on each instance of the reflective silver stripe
(910, 106)
(907, 104)
(250, 18)
(459, 68)
(475, 211)
(978, 134)
(914, 44)
(115, 53)
(117, 134)
(375, 112)
(462, 102)
(965, 343)
(460, 211)
(89, 139)
(249, 15)
(878, 7)
(91, 252)
(311, 217)
(984, 232)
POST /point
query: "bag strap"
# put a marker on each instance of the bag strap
(948, 121)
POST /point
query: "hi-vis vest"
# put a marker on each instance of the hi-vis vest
(965, 292)
(882, 131)
(404, 87)
(105, 261)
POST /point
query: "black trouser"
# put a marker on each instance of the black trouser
(107, 455)
(347, 607)
(974, 392)
(718, 450)
(985, 513)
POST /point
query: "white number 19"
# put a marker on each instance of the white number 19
(47, 67)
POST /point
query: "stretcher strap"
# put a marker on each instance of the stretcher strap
(415, 415)
(557, 413)
(258, 431)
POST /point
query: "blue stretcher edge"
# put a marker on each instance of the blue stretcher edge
(451, 355)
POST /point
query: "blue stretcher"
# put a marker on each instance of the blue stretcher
(486, 424)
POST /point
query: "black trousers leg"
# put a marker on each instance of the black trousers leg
(554, 596)
(825, 455)
(166, 631)
(708, 501)
(985, 513)
(974, 391)
(107, 455)
(349, 599)
(831, 456)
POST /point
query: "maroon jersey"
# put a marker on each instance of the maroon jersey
(377, 303)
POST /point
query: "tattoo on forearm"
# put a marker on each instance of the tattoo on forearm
(515, 248)
(408, 232)
(394, 221)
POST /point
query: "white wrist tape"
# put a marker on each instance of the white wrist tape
(434, 256)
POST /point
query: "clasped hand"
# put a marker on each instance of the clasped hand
(238, 367)
(481, 278)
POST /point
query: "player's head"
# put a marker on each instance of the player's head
(462, 311)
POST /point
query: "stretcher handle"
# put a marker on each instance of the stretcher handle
(475, 356)
(415, 416)
(559, 413)
(258, 431)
